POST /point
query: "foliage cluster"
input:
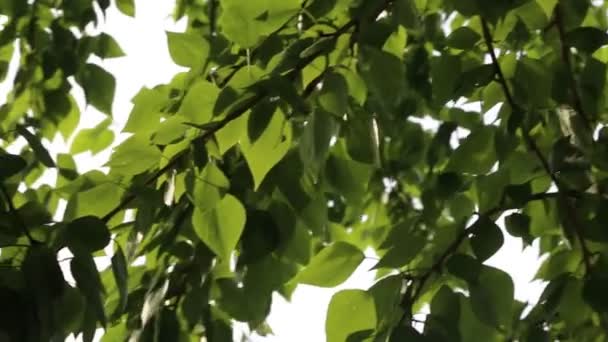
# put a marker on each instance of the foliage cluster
(291, 145)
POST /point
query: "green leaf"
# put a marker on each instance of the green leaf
(384, 74)
(146, 112)
(34, 213)
(403, 251)
(69, 123)
(107, 47)
(357, 88)
(70, 307)
(120, 270)
(188, 49)
(269, 148)
(221, 227)
(362, 142)
(127, 7)
(88, 281)
(199, 101)
(463, 38)
(94, 139)
(487, 239)
(43, 274)
(445, 74)
(123, 159)
(331, 266)
(492, 297)
(594, 292)
(547, 6)
(518, 225)
(333, 97)
(246, 23)
(476, 154)
(387, 294)
(96, 201)
(348, 177)
(349, 312)
(471, 327)
(170, 131)
(87, 233)
(464, 267)
(316, 138)
(533, 82)
(99, 87)
(207, 188)
(406, 333)
(587, 39)
(41, 152)
(10, 165)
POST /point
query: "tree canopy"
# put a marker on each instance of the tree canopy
(293, 143)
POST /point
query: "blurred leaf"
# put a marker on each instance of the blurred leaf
(492, 297)
(41, 152)
(476, 154)
(349, 312)
(94, 139)
(120, 270)
(107, 47)
(127, 7)
(88, 281)
(246, 23)
(463, 38)
(122, 160)
(187, 49)
(587, 39)
(384, 75)
(10, 165)
(87, 233)
(331, 266)
(99, 86)
(487, 239)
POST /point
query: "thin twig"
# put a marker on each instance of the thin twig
(16, 217)
(233, 115)
(565, 52)
(563, 191)
(413, 293)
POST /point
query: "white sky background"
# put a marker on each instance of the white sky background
(147, 64)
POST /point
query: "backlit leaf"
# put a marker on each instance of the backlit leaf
(220, 228)
(349, 312)
(331, 266)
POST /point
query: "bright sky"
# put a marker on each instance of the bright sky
(147, 64)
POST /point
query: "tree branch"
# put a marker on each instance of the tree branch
(237, 113)
(413, 293)
(532, 145)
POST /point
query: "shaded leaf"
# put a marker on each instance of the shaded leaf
(41, 152)
(88, 233)
(99, 86)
